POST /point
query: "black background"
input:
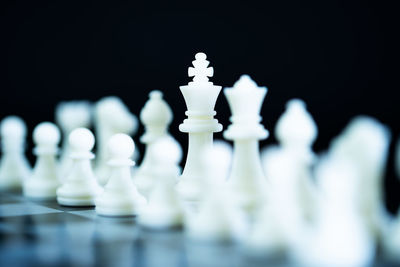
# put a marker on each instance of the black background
(338, 56)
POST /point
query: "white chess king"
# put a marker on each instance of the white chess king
(200, 97)
(247, 179)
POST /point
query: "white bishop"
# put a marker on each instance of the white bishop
(156, 116)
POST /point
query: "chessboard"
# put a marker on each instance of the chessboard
(43, 233)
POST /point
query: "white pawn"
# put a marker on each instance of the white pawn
(69, 116)
(120, 197)
(164, 209)
(111, 117)
(216, 218)
(156, 116)
(14, 167)
(43, 182)
(80, 187)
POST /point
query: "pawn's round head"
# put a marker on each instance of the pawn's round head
(121, 146)
(167, 150)
(81, 139)
(13, 126)
(46, 133)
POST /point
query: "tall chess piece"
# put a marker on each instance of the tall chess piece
(69, 116)
(156, 116)
(247, 180)
(80, 187)
(120, 196)
(200, 97)
(14, 167)
(111, 117)
(43, 182)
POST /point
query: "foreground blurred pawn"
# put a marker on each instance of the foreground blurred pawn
(120, 197)
(216, 219)
(69, 116)
(164, 209)
(365, 143)
(80, 187)
(247, 179)
(111, 117)
(340, 236)
(43, 182)
(14, 167)
(156, 116)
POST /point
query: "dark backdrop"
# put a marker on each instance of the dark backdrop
(336, 55)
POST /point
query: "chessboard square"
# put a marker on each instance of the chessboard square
(19, 209)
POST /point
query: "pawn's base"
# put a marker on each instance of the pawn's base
(161, 220)
(116, 211)
(44, 190)
(76, 202)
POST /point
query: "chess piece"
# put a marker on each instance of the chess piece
(288, 207)
(340, 236)
(69, 116)
(111, 117)
(156, 116)
(296, 132)
(247, 180)
(365, 143)
(224, 151)
(216, 218)
(164, 209)
(80, 187)
(200, 97)
(120, 196)
(14, 167)
(43, 182)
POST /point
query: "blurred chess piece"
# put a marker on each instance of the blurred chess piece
(340, 235)
(44, 182)
(164, 209)
(111, 117)
(365, 143)
(200, 96)
(289, 204)
(69, 116)
(247, 179)
(80, 187)
(156, 116)
(14, 167)
(218, 218)
(120, 196)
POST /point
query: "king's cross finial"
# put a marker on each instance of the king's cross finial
(201, 71)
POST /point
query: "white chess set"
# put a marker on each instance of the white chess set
(319, 210)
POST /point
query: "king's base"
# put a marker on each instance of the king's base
(161, 219)
(76, 202)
